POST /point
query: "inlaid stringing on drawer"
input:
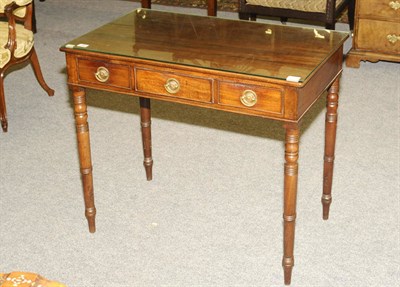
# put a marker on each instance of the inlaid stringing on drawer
(269, 99)
(174, 84)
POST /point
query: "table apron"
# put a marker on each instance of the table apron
(238, 93)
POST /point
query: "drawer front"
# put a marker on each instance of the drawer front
(387, 9)
(378, 36)
(173, 84)
(269, 99)
(103, 73)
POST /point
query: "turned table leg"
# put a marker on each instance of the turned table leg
(145, 123)
(82, 132)
(290, 193)
(330, 139)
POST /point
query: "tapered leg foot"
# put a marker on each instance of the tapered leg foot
(330, 140)
(90, 214)
(145, 123)
(290, 195)
(4, 125)
(287, 264)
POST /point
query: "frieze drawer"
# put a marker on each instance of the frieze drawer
(262, 98)
(174, 84)
(104, 73)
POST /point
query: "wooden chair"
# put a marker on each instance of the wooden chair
(325, 11)
(16, 45)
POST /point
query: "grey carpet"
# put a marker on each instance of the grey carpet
(212, 216)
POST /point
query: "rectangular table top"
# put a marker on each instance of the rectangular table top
(244, 47)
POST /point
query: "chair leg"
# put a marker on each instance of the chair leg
(34, 30)
(3, 111)
(284, 20)
(36, 68)
(350, 13)
(146, 4)
(330, 26)
(244, 16)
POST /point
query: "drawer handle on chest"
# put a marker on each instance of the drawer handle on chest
(248, 98)
(172, 86)
(102, 74)
(394, 5)
(393, 38)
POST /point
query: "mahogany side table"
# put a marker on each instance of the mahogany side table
(263, 70)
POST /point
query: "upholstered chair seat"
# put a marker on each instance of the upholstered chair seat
(17, 45)
(298, 5)
(24, 42)
(325, 11)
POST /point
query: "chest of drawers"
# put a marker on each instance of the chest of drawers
(376, 32)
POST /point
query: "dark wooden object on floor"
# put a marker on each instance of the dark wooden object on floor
(201, 61)
(16, 46)
(211, 6)
(327, 11)
(376, 32)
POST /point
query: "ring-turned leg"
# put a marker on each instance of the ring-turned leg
(145, 123)
(330, 139)
(290, 194)
(85, 161)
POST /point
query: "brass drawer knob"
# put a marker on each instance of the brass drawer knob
(172, 86)
(393, 38)
(102, 74)
(248, 98)
(394, 5)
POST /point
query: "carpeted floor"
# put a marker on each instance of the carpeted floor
(212, 215)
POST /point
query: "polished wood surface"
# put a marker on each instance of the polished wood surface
(332, 104)
(243, 47)
(144, 63)
(376, 32)
(289, 199)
